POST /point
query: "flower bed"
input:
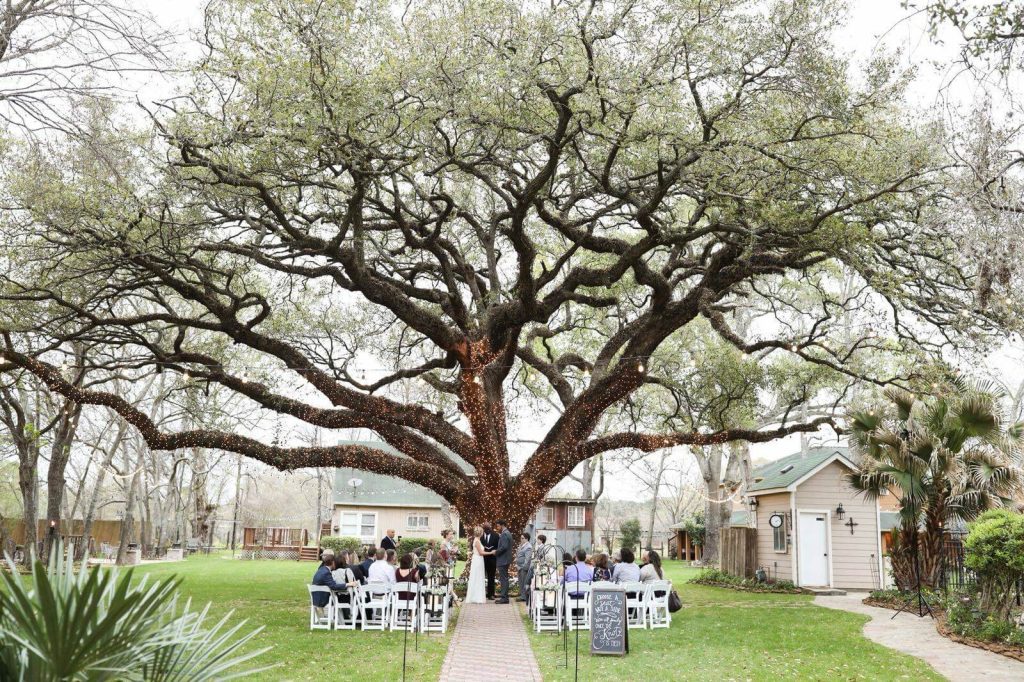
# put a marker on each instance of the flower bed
(717, 578)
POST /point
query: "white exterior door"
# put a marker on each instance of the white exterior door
(813, 548)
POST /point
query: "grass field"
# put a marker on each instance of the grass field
(727, 635)
(273, 594)
(719, 634)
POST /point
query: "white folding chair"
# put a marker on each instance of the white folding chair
(636, 604)
(375, 605)
(346, 613)
(405, 600)
(321, 618)
(577, 608)
(434, 614)
(546, 606)
(658, 615)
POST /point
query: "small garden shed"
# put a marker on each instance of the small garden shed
(812, 527)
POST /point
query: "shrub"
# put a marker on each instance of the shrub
(96, 625)
(719, 578)
(965, 617)
(994, 550)
(418, 545)
(341, 542)
(631, 533)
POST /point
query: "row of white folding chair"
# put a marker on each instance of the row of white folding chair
(577, 606)
(380, 606)
(647, 604)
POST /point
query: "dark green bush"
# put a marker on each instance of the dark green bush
(719, 578)
(341, 542)
(994, 550)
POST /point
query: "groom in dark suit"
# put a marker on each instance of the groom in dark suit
(502, 559)
(490, 542)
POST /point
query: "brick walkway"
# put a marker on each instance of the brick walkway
(489, 643)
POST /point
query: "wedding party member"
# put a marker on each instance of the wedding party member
(503, 559)
(407, 572)
(490, 542)
(602, 572)
(381, 571)
(388, 541)
(476, 588)
(524, 559)
(651, 571)
(626, 571)
(449, 547)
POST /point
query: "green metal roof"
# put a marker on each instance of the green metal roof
(786, 471)
(385, 491)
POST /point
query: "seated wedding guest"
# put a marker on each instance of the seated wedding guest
(643, 558)
(381, 570)
(579, 571)
(392, 557)
(601, 570)
(616, 557)
(407, 572)
(368, 559)
(626, 571)
(352, 562)
(651, 571)
(343, 576)
(323, 577)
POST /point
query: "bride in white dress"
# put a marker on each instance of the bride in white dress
(476, 590)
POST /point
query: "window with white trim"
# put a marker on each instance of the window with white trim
(779, 538)
(577, 517)
(546, 517)
(362, 525)
(417, 521)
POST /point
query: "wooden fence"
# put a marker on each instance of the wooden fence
(101, 532)
(738, 549)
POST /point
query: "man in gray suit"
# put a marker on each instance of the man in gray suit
(503, 557)
(524, 556)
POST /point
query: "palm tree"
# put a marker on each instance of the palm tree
(948, 458)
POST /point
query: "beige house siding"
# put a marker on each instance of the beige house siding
(854, 556)
(396, 518)
(777, 565)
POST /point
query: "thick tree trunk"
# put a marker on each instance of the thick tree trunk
(60, 453)
(28, 483)
(128, 521)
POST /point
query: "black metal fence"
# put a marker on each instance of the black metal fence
(955, 575)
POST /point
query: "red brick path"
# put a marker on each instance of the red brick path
(489, 643)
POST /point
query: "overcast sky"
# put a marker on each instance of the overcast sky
(872, 25)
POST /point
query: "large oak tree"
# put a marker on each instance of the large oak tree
(426, 220)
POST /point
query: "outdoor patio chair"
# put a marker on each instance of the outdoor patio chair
(435, 612)
(321, 618)
(577, 609)
(656, 605)
(404, 608)
(346, 613)
(546, 609)
(636, 604)
(375, 605)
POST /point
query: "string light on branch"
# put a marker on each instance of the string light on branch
(640, 367)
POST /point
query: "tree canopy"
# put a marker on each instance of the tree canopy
(428, 220)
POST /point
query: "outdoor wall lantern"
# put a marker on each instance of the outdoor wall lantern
(753, 504)
(840, 512)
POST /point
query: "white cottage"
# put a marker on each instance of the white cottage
(812, 527)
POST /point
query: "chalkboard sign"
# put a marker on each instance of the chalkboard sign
(608, 631)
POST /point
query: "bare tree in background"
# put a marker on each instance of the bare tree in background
(56, 52)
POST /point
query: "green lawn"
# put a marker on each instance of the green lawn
(727, 635)
(273, 594)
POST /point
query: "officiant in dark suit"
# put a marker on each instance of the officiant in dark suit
(502, 559)
(490, 542)
(388, 541)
